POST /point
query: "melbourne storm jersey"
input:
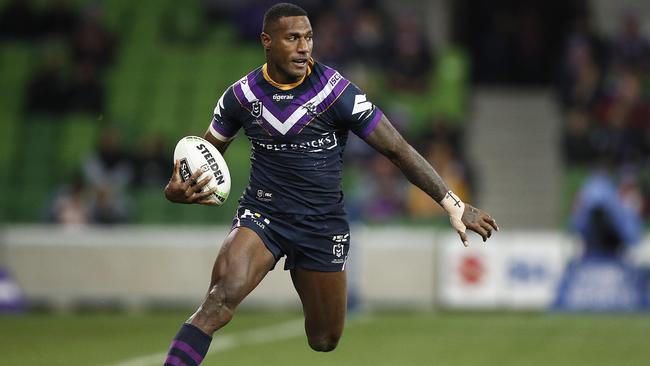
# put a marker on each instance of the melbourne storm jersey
(298, 133)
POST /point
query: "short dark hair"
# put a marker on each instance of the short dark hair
(281, 10)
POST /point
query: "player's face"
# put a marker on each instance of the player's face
(289, 47)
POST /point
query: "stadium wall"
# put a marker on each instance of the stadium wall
(139, 267)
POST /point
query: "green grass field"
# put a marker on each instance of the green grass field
(386, 338)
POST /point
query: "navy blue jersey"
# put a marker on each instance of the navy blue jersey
(298, 133)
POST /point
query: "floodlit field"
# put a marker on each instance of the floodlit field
(394, 338)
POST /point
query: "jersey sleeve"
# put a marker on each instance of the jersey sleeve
(225, 121)
(356, 112)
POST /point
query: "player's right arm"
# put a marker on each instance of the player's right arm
(188, 191)
(388, 141)
(222, 130)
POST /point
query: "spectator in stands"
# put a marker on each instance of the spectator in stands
(111, 165)
(631, 49)
(411, 57)
(92, 42)
(59, 20)
(109, 207)
(328, 31)
(369, 38)
(580, 76)
(152, 163)
(109, 172)
(18, 20)
(47, 89)
(607, 214)
(348, 12)
(86, 92)
(70, 206)
(578, 143)
(625, 115)
(383, 193)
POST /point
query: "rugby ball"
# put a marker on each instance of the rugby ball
(197, 153)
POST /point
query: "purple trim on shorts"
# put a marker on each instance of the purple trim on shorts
(373, 124)
(174, 361)
(188, 350)
(322, 107)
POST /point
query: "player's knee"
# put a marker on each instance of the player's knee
(324, 342)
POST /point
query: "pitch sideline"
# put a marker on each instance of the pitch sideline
(290, 329)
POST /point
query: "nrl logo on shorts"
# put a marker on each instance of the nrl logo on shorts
(337, 248)
(257, 109)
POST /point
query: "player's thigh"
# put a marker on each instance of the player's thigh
(242, 263)
(324, 299)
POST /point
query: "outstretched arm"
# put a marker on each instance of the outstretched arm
(418, 171)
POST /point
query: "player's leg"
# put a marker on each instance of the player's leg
(323, 296)
(242, 263)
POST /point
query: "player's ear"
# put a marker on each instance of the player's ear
(266, 40)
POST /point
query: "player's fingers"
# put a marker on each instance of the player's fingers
(487, 227)
(189, 192)
(192, 180)
(203, 182)
(492, 222)
(176, 175)
(202, 195)
(479, 230)
(205, 198)
(195, 176)
(463, 238)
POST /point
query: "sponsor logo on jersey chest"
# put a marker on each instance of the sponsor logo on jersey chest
(281, 97)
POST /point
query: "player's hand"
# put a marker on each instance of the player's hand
(190, 190)
(479, 222)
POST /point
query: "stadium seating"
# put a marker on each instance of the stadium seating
(155, 87)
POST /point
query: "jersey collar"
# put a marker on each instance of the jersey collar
(267, 77)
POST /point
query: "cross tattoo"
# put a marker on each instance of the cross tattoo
(456, 202)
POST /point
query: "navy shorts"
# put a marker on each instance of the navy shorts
(317, 243)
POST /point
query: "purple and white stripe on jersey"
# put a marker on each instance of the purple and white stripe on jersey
(322, 96)
(288, 111)
(220, 130)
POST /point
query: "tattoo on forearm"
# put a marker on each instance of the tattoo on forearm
(419, 172)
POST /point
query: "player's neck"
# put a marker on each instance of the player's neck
(280, 80)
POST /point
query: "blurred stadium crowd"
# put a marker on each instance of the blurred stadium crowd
(604, 91)
(115, 83)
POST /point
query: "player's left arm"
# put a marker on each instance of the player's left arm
(222, 146)
(388, 141)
